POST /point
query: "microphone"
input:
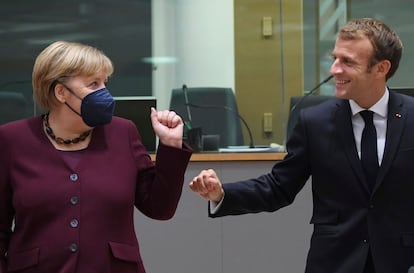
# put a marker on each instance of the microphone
(187, 123)
(411, 269)
(251, 143)
(194, 135)
(310, 93)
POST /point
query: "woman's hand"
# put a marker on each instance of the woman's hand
(168, 126)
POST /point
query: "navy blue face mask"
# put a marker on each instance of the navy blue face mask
(97, 108)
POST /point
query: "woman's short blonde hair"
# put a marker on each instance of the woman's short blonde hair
(61, 60)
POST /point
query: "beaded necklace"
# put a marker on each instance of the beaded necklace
(60, 140)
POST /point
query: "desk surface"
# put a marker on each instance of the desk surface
(200, 157)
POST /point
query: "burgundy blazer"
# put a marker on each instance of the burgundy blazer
(55, 218)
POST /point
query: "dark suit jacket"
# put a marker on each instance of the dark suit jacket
(80, 219)
(348, 218)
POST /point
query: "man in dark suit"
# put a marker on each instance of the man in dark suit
(362, 213)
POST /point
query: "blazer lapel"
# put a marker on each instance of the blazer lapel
(346, 135)
(395, 124)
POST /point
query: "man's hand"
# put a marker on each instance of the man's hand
(207, 185)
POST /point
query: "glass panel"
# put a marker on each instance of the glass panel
(266, 51)
(332, 15)
(26, 27)
(398, 16)
(323, 18)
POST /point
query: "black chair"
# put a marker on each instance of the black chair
(409, 91)
(213, 109)
(13, 106)
(297, 103)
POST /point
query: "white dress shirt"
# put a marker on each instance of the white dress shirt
(380, 110)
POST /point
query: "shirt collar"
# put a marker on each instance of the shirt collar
(380, 107)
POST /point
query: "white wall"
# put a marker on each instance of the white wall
(197, 37)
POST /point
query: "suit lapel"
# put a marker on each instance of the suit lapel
(397, 115)
(395, 125)
(346, 135)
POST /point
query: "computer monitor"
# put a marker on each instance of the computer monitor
(138, 109)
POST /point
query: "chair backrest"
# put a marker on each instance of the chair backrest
(13, 106)
(409, 91)
(214, 109)
(297, 103)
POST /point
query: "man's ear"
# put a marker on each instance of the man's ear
(382, 68)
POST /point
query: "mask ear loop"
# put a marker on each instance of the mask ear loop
(67, 104)
(71, 91)
(73, 110)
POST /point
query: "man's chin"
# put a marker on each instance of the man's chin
(341, 94)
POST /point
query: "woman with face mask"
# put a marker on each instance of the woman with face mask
(70, 178)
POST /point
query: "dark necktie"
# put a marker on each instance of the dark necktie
(369, 154)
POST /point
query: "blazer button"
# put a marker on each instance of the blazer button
(73, 247)
(74, 177)
(74, 223)
(74, 200)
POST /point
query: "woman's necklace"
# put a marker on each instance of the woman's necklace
(60, 140)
